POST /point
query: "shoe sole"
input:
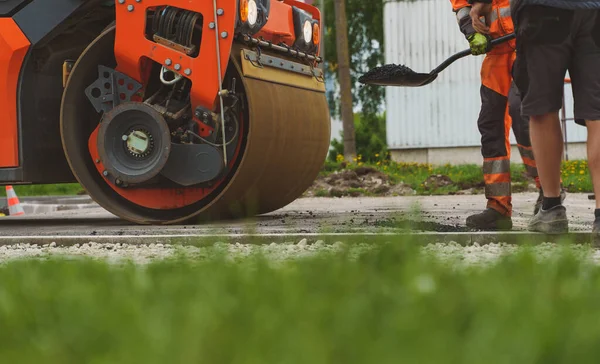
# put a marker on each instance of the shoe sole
(554, 227)
(506, 227)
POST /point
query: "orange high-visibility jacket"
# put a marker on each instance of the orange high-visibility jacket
(502, 23)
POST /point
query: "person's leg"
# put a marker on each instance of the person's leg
(593, 152)
(585, 76)
(520, 125)
(547, 143)
(543, 55)
(522, 135)
(492, 124)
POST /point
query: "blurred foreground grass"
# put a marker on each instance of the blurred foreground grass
(389, 305)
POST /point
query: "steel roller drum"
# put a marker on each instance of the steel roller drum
(286, 143)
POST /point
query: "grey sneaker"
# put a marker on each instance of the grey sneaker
(596, 234)
(538, 203)
(553, 221)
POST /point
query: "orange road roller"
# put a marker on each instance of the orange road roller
(165, 111)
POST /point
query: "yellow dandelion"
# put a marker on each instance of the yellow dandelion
(581, 172)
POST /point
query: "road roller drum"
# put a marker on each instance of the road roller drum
(167, 111)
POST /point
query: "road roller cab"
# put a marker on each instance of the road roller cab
(165, 111)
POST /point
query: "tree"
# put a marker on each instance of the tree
(365, 42)
(364, 27)
(341, 26)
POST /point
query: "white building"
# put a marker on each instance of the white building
(437, 123)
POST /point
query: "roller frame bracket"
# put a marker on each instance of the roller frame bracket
(280, 63)
(110, 98)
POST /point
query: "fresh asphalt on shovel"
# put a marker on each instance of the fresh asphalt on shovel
(403, 76)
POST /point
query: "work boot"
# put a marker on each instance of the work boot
(489, 219)
(538, 203)
(552, 221)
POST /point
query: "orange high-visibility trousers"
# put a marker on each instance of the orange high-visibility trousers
(500, 110)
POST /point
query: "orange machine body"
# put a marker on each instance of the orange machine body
(39, 37)
(13, 49)
(132, 45)
(133, 49)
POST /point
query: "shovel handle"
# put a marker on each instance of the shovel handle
(467, 52)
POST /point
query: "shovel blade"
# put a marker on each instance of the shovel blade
(396, 75)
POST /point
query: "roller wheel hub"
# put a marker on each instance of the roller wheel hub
(139, 143)
(134, 143)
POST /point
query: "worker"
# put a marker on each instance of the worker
(554, 36)
(500, 108)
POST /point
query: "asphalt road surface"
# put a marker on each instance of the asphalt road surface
(444, 214)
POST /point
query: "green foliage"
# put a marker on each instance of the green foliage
(365, 38)
(387, 305)
(370, 136)
(366, 45)
(63, 189)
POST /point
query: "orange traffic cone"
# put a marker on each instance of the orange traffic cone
(14, 206)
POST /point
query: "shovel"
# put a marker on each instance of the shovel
(399, 75)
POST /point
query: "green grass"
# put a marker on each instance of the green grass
(576, 176)
(388, 306)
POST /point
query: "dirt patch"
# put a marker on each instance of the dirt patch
(437, 181)
(367, 181)
(363, 181)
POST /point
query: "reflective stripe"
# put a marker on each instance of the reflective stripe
(532, 171)
(502, 205)
(527, 153)
(496, 167)
(496, 178)
(462, 13)
(504, 12)
(497, 189)
(528, 162)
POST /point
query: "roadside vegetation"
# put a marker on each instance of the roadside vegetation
(387, 305)
(379, 176)
(64, 189)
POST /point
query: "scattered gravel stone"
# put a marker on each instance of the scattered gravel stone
(451, 253)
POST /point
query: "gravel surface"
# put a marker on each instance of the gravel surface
(451, 253)
(490, 253)
(142, 254)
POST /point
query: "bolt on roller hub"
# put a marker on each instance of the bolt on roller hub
(134, 142)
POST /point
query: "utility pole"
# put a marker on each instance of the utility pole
(341, 26)
(323, 32)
